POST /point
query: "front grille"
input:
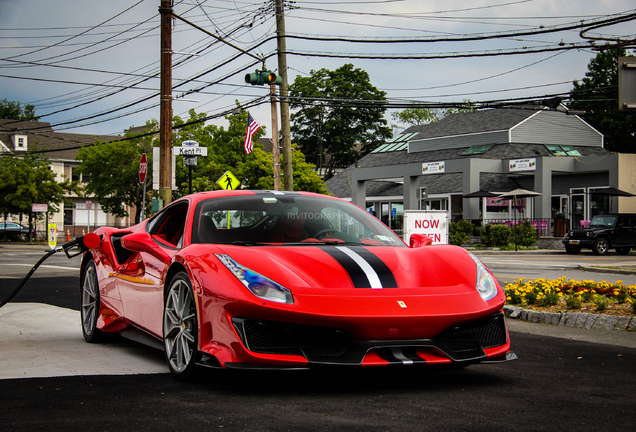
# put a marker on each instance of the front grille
(270, 337)
(466, 340)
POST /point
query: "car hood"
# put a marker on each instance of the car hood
(337, 267)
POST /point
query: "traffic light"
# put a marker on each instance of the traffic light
(261, 77)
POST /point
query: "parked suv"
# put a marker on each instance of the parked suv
(604, 232)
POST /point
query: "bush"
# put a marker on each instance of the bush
(496, 235)
(456, 235)
(526, 234)
(466, 227)
(460, 231)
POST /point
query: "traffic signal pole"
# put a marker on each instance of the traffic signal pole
(165, 107)
(284, 101)
(275, 147)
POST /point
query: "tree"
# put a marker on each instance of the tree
(421, 116)
(338, 114)
(14, 111)
(113, 168)
(27, 180)
(597, 94)
(226, 152)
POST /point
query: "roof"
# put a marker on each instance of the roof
(339, 184)
(40, 135)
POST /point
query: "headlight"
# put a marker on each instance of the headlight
(257, 284)
(486, 285)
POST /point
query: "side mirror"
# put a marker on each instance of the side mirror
(143, 242)
(419, 240)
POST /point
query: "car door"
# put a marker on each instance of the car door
(140, 281)
(621, 235)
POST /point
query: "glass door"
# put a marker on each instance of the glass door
(578, 210)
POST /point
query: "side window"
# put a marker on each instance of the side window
(170, 225)
(623, 222)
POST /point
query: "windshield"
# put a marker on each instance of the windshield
(603, 221)
(284, 219)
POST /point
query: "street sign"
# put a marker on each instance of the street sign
(228, 181)
(89, 205)
(189, 161)
(39, 208)
(190, 151)
(143, 168)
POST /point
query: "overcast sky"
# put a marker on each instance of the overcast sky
(92, 66)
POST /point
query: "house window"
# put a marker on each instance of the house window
(20, 142)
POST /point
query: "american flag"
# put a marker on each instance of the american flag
(252, 127)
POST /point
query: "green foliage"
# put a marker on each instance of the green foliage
(456, 235)
(597, 94)
(226, 152)
(601, 302)
(114, 172)
(14, 111)
(496, 235)
(422, 116)
(27, 180)
(337, 128)
(572, 301)
(526, 234)
(460, 231)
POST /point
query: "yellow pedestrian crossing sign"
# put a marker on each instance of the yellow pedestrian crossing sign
(228, 181)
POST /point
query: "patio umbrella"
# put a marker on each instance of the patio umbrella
(514, 194)
(481, 194)
(612, 192)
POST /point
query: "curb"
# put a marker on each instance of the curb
(572, 319)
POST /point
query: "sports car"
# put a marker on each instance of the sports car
(267, 279)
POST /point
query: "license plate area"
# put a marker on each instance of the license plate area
(574, 242)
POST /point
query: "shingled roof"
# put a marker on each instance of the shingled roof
(41, 136)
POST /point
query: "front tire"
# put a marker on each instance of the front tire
(90, 305)
(623, 250)
(180, 327)
(572, 250)
(600, 247)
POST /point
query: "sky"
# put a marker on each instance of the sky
(93, 66)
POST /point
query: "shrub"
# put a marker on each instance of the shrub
(601, 302)
(526, 234)
(496, 235)
(456, 235)
(466, 227)
(573, 302)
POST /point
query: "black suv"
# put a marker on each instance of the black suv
(604, 232)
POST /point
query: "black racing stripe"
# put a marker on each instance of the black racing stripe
(384, 273)
(386, 354)
(358, 278)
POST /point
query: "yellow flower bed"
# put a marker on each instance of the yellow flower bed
(572, 294)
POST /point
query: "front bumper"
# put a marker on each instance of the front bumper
(484, 340)
(582, 243)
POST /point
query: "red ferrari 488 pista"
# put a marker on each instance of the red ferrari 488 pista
(261, 279)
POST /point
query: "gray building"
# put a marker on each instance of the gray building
(498, 150)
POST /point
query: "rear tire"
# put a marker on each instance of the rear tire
(180, 328)
(572, 250)
(623, 250)
(600, 247)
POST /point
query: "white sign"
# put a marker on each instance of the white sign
(433, 167)
(433, 223)
(190, 151)
(39, 208)
(522, 164)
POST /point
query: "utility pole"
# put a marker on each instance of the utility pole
(275, 147)
(284, 101)
(165, 115)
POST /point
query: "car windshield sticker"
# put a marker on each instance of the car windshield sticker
(365, 269)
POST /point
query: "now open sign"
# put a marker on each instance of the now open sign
(433, 223)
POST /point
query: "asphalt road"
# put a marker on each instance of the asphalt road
(558, 383)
